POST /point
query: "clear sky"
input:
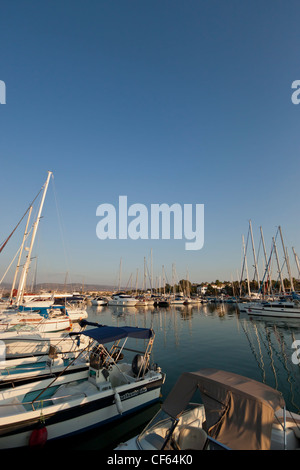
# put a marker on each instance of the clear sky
(163, 101)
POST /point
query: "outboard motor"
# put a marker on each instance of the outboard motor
(138, 365)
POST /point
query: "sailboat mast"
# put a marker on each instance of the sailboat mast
(286, 259)
(136, 281)
(278, 266)
(246, 266)
(151, 271)
(20, 255)
(266, 259)
(296, 260)
(254, 254)
(28, 258)
(164, 280)
(120, 270)
(145, 275)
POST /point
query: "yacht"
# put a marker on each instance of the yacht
(99, 301)
(122, 300)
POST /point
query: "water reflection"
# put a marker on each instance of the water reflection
(190, 337)
(270, 341)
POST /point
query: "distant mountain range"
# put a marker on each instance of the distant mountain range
(72, 287)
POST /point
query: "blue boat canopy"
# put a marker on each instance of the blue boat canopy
(107, 334)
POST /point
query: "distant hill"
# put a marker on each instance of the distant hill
(53, 286)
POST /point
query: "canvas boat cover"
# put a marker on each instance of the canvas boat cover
(107, 334)
(239, 411)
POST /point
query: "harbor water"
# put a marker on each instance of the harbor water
(189, 338)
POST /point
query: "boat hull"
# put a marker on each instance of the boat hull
(34, 345)
(282, 312)
(36, 321)
(123, 303)
(99, 302)
(80, 414)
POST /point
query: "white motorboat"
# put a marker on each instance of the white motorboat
(192, 301)
(24, 370)
(274, 309)
(99, 301)
(28, 341)
(177, 300)
(69, 404)
(38, 300)
(236, 413)
(43, 319)
(122, 300)
(76, 311)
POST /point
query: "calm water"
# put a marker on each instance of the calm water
(211, 335)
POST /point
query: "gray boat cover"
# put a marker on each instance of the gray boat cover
(239, 411)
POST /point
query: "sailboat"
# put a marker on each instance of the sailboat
(278, 307)
(38, 316)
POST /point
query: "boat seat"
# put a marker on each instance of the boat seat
(291, 423)
(191, 438)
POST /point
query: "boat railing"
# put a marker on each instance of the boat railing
(54, 400)
(11, 372)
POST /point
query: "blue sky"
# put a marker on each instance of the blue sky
(164, 101)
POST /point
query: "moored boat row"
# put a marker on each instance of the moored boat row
(75, 392)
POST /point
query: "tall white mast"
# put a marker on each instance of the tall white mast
(246, 266)
(151, 271)
(254, 254)
(136, 281)
(22, 282)
(145, 276)
(164, 280)
(120, 271)
(279, 269)
(296, 260)
(20, 254)
(286, 259)
(266, 260)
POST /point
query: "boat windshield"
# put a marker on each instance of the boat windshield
(163, 429)
(162, 433)
(157, 431)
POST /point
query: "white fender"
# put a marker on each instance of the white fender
(118, 403)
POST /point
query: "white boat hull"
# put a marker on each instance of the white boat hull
(16, 372)
(99, 302)
(39, 322)
(122, 303)
(77, 314)
(81, 413)
(279, 311)
(36, 344)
